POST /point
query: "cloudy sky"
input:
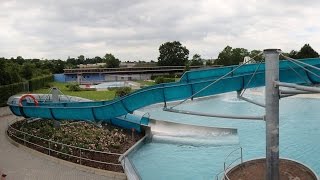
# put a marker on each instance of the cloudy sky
(134, 29)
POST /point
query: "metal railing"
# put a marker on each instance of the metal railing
(227, 166)
(12, 132)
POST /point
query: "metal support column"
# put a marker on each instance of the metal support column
(55, 94)
(272, 113)
(55, 99)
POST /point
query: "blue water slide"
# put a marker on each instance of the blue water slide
(119, 111)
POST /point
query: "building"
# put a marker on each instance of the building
(97, 65)
(96, 75)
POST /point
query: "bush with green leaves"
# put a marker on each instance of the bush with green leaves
(122, 91)
(161, 79)
(73, 87)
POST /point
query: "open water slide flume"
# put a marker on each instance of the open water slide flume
(189, 85)
(193, 84)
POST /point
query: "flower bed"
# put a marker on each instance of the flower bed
(98, 147)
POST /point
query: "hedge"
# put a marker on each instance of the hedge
(37, 83)
(11, 89)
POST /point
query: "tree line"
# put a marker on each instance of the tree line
(109, 59)
(15, 70)
(174, 54)
(18, 69)
(170, 54)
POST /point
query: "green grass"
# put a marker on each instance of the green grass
(93, 95)
(146, 83)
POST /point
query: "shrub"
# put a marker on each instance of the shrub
(160, 80)
(74, 87)
(122, 91)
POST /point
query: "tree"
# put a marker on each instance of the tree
(58, 66)
(256, 55)
(111, 61)
(229, 56)
(196, 60)
(307, 52)
(13, 75)
(224, 57)
(27, 70)
(3, 73)
(209, 62)
(20, 60)
(173, 54)
(72, 61)
(98, 59)
(80, 59)
(293, 54)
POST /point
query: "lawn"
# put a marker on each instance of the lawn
(93, 95)
(146, 83)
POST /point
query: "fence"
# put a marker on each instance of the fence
(11, 89)
(82, 156)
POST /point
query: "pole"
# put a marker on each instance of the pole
(55, 99)
(272, 113)
(55, 94)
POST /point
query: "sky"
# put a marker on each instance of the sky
(134, 29)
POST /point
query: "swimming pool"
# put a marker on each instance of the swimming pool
(112, 84)
(299, 134)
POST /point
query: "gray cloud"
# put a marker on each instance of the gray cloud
(134, 30)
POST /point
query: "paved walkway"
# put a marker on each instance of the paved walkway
(21, 165)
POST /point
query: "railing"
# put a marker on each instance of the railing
(124, 157)
(56, 149)
(227, 166)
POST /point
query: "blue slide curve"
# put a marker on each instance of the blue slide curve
(191, 82)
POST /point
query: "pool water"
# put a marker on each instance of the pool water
(112, 84)
(299, 137)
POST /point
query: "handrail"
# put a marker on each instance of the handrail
(124, 156)
(59, 152)
(226, 166)
(232, 153)
(10, 133)
(103, 152)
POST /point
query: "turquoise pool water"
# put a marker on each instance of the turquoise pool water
(299, 138)
(106, 85)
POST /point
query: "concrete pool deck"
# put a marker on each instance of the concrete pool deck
(18, 164)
